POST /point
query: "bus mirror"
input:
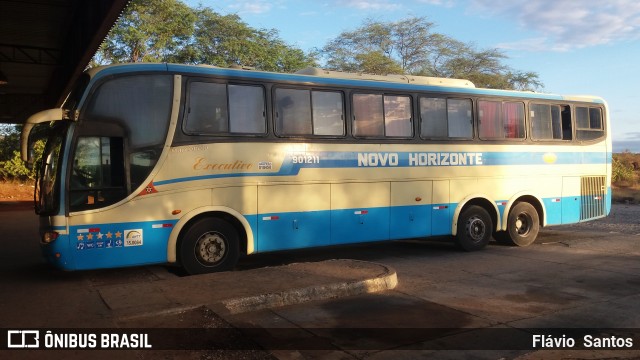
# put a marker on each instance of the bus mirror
(26, 145)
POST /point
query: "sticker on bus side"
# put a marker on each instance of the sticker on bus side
(133, 237)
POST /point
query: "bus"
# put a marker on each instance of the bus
(197, 165)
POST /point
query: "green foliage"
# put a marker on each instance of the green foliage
(150, 30)
(9, 141)
(170, 31)
(410, 47)
(11, 165)
(622, 170)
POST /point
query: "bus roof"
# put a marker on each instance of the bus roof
(311, 76)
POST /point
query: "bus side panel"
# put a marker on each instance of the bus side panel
(359, 212)
(410, 209)
(120, 244)
(570, 199)
(293, 216)
(441, 210)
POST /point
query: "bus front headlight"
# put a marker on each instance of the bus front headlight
(49, 236)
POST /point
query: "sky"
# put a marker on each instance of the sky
(577, 47)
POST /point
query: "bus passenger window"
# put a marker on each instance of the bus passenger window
(293, 112)
(490, 125)
(368, 117)
(221, 109)
(246, 110)
(382, 115)
(589, 124)
(433, 113)
(446, 118)
(207, 109)
(397, 116)
(328, 113)
(546, 123)
(501, 120)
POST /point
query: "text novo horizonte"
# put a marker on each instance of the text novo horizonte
(420, 159)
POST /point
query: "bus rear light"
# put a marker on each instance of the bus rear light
(49, 237)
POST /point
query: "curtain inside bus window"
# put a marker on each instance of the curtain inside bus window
(489, 118)
(369, 119)
(397, 116)
(459, 118)
(513, 115)
(207, 109)
(433, 114)
(293, 112)
(246, 110)
(328, 115)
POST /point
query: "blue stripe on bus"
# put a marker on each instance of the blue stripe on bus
(330, 159)
(106, 245)
(103, 245)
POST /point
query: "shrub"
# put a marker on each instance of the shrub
(622, 172)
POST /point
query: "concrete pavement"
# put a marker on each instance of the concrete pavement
(568, 278)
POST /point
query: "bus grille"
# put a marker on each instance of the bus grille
(593, 194)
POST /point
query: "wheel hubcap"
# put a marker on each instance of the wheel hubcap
(210, 248)
(476, 228)
(523, 224)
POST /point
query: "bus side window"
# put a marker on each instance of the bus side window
(546, 122)
(368, 115)
(589, 124)
(377, 115)
(293, 112)
(446, 118)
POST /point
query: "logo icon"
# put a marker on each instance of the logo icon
(23, 339)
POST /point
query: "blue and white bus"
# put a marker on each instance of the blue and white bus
(197, 165)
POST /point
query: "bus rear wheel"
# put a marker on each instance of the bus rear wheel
(523, 225)
(209, 245)
(474, 228)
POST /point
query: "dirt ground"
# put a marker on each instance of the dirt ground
(15, 191)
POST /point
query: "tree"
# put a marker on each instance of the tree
(170, 31)
(405, 43)
(410, 47)
(224, 40)
(149, 30)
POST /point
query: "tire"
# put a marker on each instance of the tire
(209, 245)
(523, 225)
(474, 229)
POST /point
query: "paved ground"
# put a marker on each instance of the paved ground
(303, 304)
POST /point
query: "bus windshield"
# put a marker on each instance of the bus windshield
(119, 139)
(48, 181)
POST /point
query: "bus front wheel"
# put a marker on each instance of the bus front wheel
(209, 245)
(523, 225)
(474, 228)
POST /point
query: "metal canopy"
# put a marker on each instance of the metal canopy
(44, 46)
